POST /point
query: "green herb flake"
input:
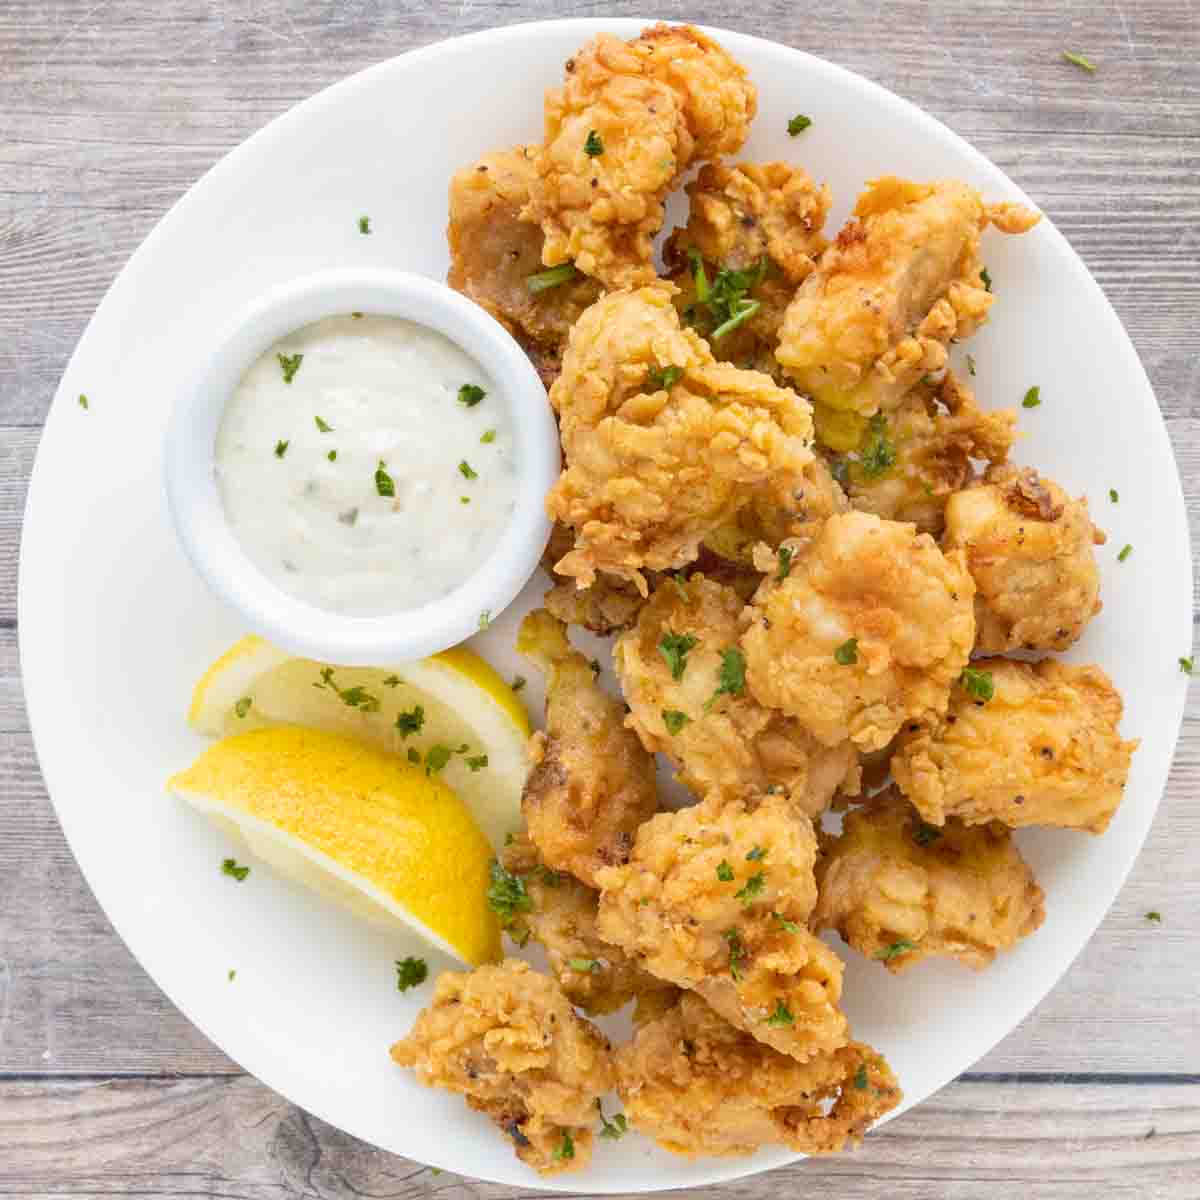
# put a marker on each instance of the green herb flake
(782, 1016)
(323, 426)
(595, 666)
(506, 894)
(1113, 496)
(364, 224)
(663, 379)
(1126, 551)
(544, 280)
(798, 124)
(1186, 665)
(289, 364)
(879, 454)
(731, 681)
(1154, 915)
(724, 872)
(674, 648)
(411, 722)
(737, 952)
(860, 1077)
(436, 758)
(83, 401)
(679, 582)
(1079, 61)
(392, 681)
(1033, 398)
(977, 684)
(615, 1129)
(585, 966)
(281, 449)
(410, 973)
(485, 619)
(357, 316)
(756, 855)
(985, 279)
(754, 887)
(242, 707)
(230, 867)
(674, 720)
(332, 456)
(352, 697)
(466, 470)
(414, 756)
(488, 437)
(894, 951)
(384, 483)
(477, 762)
(565, 1150)
(846, 655)
(785, 556)
(470, 394)
(970, 364)
(924, 834)
(518, 683)
(232, 975)
(784, 924)
(593, 147)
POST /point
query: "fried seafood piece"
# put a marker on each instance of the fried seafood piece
(715, 900)
(494, 254)
(561, 917)
(508, 1040)
(662, 443)
(899, 890)
(630, 118)
(910, 461)
(592, 784)
(608, 605)
(1043, 750)
(1029, 550)
(865, 627)
(899, 282)
(683, 676)
(697, 1085)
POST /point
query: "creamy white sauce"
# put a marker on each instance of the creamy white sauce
(389, 391)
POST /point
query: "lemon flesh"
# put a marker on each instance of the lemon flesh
(382, 838)
(466, 709)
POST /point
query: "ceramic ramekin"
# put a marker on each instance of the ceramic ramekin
(199, 515)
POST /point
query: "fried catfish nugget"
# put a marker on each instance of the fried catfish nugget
(683, 676)
(561, 917)
(662, 443)
(866, 627)
(912, 460)
(1029, 550)
(630, 118)
(494, 255)
(898, 890)
(592, 784)
(1044, 750)
(715, 899)
(608, 605)
(508, 1040)
(697, 1085)
(899, 282)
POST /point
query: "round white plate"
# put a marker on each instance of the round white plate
(115, 627)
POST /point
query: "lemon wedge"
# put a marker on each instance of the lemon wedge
(356, 825)
(451, 713)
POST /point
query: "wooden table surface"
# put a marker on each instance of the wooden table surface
(109, 109)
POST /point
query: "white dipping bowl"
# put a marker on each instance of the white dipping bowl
(215, 551)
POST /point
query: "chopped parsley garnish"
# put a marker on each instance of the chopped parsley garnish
(467, 471)
(242, 707)
(756, 855)
(970, 364)
(1186, 665)
(860, 1077)
(1113, 496)
(846, 655)
(724, 871)
(411, 722)
(289, 364)
(1033, 398)
(410, 973)
(392, 681)
(332, 456)
(352, 697)
(754, 887)
(231, 868)
(786, 554)
(470, 394)
(731, 681)
(878, 455)
(726, 299)
(506, 895)
(487, 437)
(781, 1016)
(1154, 915)
(679, 582)
(464, 499)
(436, 758)
(784, 924)
(281, 449)
(323, 426)
(357, 316)
(595, 666)
(485, 619)
(543, 280)
(985, 279)
(364, 224)
(737, 952)
(477, 762)
(1079, 61)
(894, 951)
(663, 379)
(593, 147)
(1126, 551)
(674, 648)
(518, 683)
(232, 975)
(585, 966)
(83, 401)
(798, 124)
(414, 756)
(923, 833)
(383, 481)
(614, 1129)
(674, 720)
(566, 1148)
(977, 684)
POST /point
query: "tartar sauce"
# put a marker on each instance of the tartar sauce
(366, 464)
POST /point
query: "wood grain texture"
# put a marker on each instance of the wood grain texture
(110, 109)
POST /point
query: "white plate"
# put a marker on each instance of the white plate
(115, 627)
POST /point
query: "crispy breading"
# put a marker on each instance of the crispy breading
(630, 118)
(899, 282)
(715, 899)
(1044, 750)
(910, 461)
(493, 253)
(593, 974)
(697, 1085)
(608, 605)
(869, 628)
(899, 890)
(1029, 550)
(508, 1040)
(592, 784)
(725, 744)
(652, 469)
